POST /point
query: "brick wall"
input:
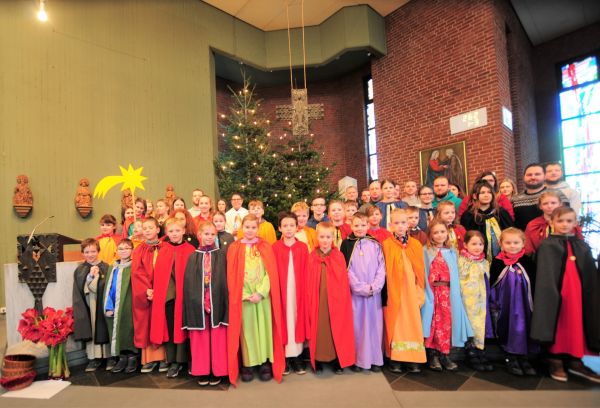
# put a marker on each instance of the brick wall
(445, 58)
(546, 58)
(340, 134)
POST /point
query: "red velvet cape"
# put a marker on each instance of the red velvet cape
(460, 232)
(142, 276)
(380, 234)
(300, 258)
(536, 232)
(236, 261)
(340, 305)
(346, 230)
(168, 254)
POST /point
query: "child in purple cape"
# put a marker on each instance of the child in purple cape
(511, 302)
(366, 273)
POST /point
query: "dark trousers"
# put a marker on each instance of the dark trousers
(176, 353)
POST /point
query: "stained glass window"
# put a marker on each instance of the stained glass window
(371, 134)
(580, 101)
(580, 72)
(582, 159)
(580, 128)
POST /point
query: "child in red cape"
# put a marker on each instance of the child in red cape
(329, 305)
(142, 277)
(253, 296)
(167, 296)
(292, 258)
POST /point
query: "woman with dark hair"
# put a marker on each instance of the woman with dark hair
(502, 200)
(486, 216)
(389, 202)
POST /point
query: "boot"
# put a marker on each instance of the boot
(512, 365)
(264, 372)
(474, 358)
(247, 374)
(395, 367)
(434, 360)
(447, 363)
(526, 367)
(557, 369)
(487, 365)
(111, 362)
(121, 364)
(132, 363)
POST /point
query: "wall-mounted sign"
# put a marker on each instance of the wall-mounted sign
(468, 121)
(507, 118)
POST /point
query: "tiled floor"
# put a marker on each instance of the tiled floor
(101, 377)
(466, 379)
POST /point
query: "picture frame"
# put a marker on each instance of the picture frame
(448, 160)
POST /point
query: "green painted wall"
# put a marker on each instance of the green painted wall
(107, 83)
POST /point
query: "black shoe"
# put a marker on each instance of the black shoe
(474, 359)
(203, 381)
(576, 367)
(174, 370)
(355, 368)
(120, 366)
(447, 363)
(111, 363)
(412, 368)
(298, 366)
(247, 374)
(214, 380)
(318, 368)
(395, 367)
(376, 368)
(93, 365)
(434, 363)
(163, 367)
(512, 365)
(132, 363)
(287, 368)
(526, 367)
(264, 372)
(337, 368)
(487, 365)
(148, 367)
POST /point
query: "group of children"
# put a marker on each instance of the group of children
(394, 282)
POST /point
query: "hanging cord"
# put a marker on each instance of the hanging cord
(287, 13)
(303, 46)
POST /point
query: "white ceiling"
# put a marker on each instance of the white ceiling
(545, 20)
(269, 15)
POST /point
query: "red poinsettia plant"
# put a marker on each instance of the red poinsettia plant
(52, 328)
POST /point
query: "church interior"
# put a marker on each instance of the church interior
(88, 87)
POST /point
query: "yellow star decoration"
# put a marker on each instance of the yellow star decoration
(130, 177)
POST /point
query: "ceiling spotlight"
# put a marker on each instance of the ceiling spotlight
(41, 14)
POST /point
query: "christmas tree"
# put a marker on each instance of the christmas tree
(250, 163)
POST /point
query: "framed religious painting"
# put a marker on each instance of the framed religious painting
(448, 160)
